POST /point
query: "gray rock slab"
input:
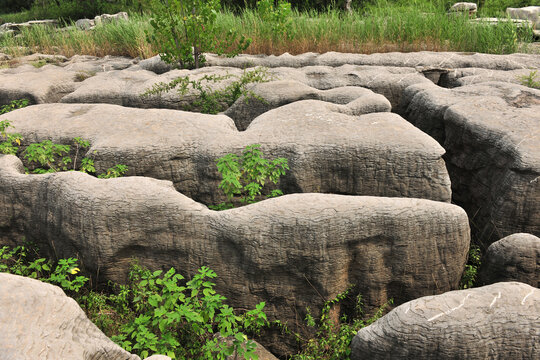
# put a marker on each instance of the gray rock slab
(468, 76)
(329, 147)
(38, 321)
(267, 96)
(125, 87)
(292, 252)
(387, 81)
(497, 321)
(513, 258)
(451, 60)
(490, 132)
(39, 85)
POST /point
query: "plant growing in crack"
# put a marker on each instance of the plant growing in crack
(531, 80)
(246, 176)
(208, 99)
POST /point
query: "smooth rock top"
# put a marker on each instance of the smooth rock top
(38, 321)
(330, 147)
(514, 258)
(496, 321)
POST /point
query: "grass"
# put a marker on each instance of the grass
(382, 27)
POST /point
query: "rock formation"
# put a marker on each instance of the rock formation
(514, 258)
(496, 321)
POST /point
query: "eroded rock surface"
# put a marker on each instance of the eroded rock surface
(39, 85)
(450, 60)
(496, 321)
(38, 321)
(293, 251)
(490, 133)
(330, 148)
(514, 258)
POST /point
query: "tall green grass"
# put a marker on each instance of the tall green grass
(382, 27)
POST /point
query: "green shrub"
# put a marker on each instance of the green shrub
(23, 261)
(185, 321)
(245, 176)
(471, 269)
(332, 341)
(184, 29)
(279, 15)
(208, 100)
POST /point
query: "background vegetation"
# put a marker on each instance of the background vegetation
(374, 26)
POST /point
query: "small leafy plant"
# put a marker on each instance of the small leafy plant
(471, 269)
(13, 105)
(9, 143)
(185, 321)
(245, 176)
(51, 157)
(22, 260)
(332, 340)
(531, 80)
(211, 101)
(184, 29)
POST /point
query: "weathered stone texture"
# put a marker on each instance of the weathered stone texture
(497, 321)
(38, 321)
(514, 258)
(489, 132)
(293, 251)
(329, 147)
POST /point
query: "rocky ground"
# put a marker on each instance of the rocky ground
(396, 161)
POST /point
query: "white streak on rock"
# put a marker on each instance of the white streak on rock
(447, 312)
(494, 300)
(526, 296)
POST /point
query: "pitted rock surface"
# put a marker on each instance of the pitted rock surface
(38, 321)
(496, 321)
(514, 258)
(125, 87)
(330, 148)
(468, 76)
(451, 60)
(267, 96)
(490, 132)
(293, 251)
(43, 85)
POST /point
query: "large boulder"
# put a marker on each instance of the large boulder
(38, 321)
(499, 321)
(331, 148)
(493, 156)
(292, 252)
(514, 258)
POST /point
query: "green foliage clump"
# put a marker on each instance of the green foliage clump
(154, 312)
(531, 80)
(13, 105)
(184, 29)
(22, 260)
(471, 269)
(208, 99)
(245, 176)
(278, 14)
(185, 321)
(332, 341)
(9, 143)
